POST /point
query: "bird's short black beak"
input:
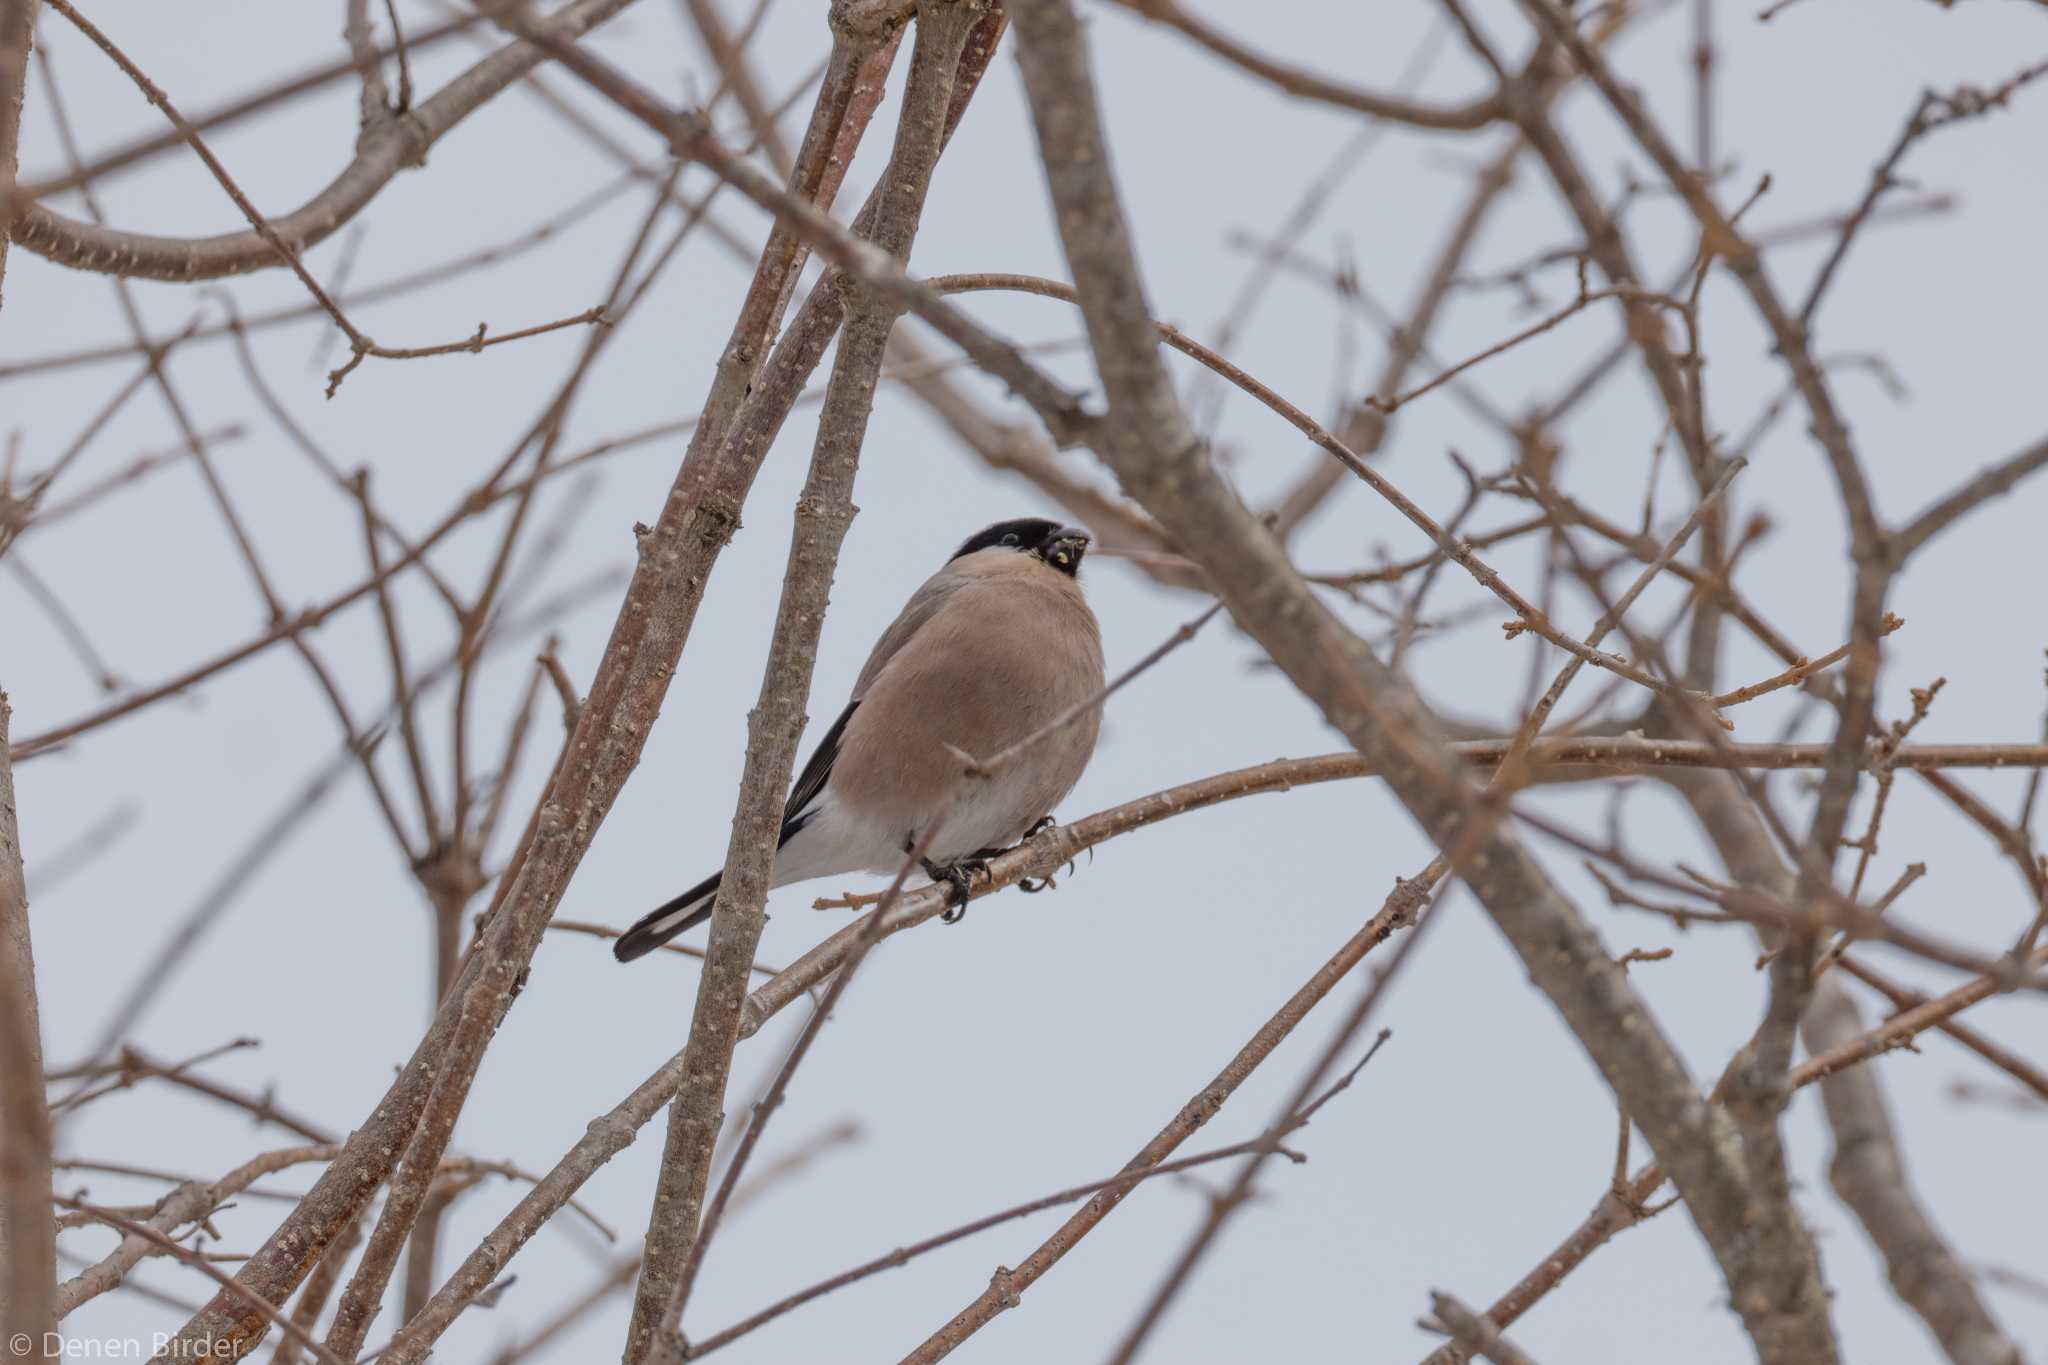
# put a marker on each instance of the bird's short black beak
(1064, 548)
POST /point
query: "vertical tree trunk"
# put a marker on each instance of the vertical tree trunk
(28, 1235)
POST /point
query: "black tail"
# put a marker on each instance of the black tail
(678, 916)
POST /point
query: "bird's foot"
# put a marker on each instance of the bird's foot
(958, 876)
(1034, 886)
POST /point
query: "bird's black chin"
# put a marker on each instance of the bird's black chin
(1063, 553)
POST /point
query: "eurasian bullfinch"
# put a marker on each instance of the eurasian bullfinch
(995, 646)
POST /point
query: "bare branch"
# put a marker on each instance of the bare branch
(153, 1239)
(17, 36)
(1475, 1334)
(402, 143)
(1147, 441)
(1931, 112)
(824, 510)
(1868, 1172)
(28, 1246)
(1305, 85)
(190, 1203)
(1266, 1142)
(1994, 482)
(2019, 1068)
(1008, 1285)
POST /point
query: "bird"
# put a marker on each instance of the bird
(997, 645)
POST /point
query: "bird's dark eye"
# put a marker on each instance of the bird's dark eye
(1010, 539)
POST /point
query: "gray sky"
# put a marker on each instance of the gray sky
(1041, 1042)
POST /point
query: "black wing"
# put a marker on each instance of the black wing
(693, 907)
(811, 781)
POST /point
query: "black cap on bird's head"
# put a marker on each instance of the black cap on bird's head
(1061, 547)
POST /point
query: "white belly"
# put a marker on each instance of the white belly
(837, 841)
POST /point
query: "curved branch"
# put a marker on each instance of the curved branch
(1994, 482)
(1459, 551)
(614, 1131)
(1869, 547)
(192, 1202)
(1549, 759)
(1457, 118)
(1146, 439)
(697, 519)
(399, 145)
(1625, 1204)
(263, 1309)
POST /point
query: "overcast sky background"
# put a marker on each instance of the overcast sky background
(1042, 1041)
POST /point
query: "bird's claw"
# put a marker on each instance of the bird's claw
(959, 879)
(959, 874)
(1028, 885)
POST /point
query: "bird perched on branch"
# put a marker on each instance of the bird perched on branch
(996, 647)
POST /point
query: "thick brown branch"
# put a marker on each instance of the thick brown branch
(17, 36)
(28, 1249)
(1531, 618)
(824, 511)
(1051, 850)
(1868, 1171)
(677, 555)
(1626, 1205)
(1147, 440)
